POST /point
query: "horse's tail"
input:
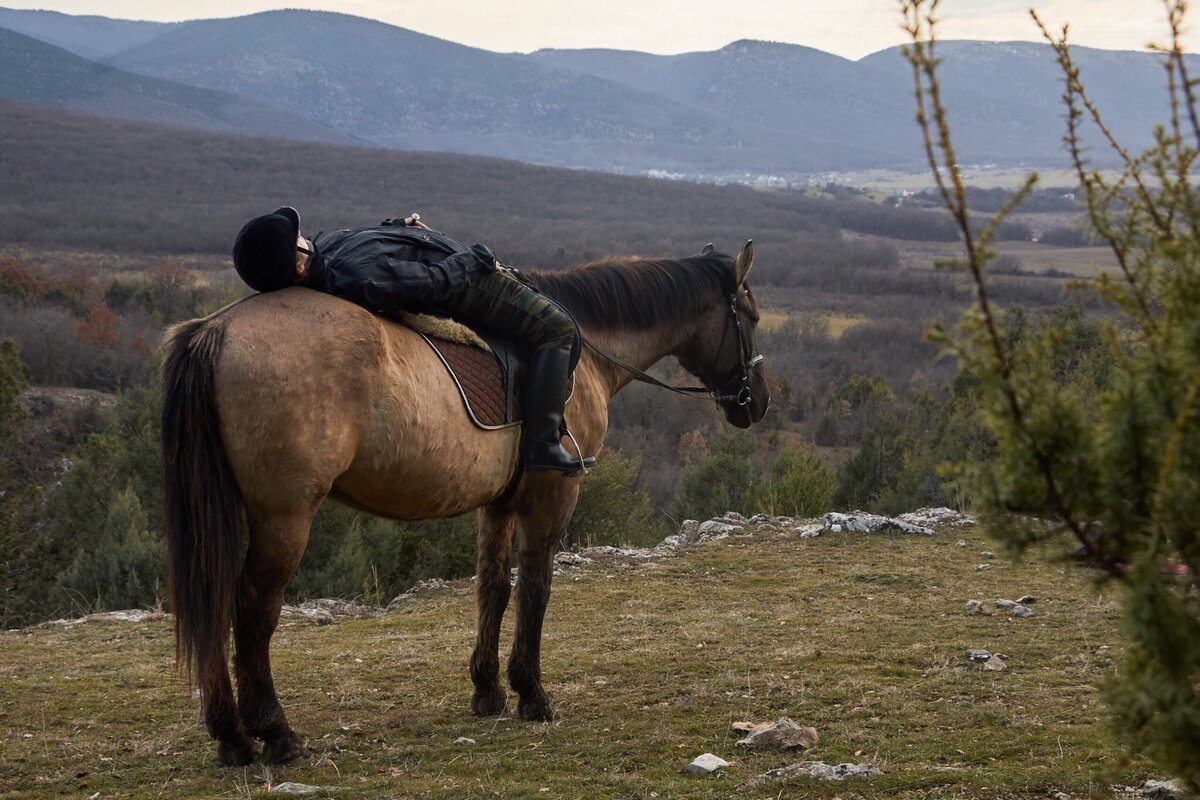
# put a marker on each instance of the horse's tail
(201, 498)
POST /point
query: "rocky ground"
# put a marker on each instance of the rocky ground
(849, 656)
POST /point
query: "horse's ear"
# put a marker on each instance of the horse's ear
(744, 261)
(708, 248)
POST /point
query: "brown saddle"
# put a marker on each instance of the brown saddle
(487, 367)
(486, 381)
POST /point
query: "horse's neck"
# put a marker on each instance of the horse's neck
(638, 348)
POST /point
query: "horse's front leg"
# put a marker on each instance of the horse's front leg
(541, 523)
(493, 556)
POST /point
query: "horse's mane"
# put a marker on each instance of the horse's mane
(639, 292)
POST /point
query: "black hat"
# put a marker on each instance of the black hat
(264, 253)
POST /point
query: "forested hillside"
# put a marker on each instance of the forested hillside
(113, 230)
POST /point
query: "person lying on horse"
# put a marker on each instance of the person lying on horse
(403, 265)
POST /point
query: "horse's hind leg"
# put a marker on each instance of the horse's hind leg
(542, 518)
(494, 543)
(221, 718)
(276, 545)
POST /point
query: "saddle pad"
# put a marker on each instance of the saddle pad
(480, 381)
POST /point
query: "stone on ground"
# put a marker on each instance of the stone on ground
(706, 764)
(819, 769)
(784, 733)
(871, 523)
(294, 788)
(995, 664)
(1166, 790)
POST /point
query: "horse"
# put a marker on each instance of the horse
(281, 400)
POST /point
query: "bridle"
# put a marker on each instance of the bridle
(737, 382)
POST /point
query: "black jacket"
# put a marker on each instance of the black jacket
(392, 267)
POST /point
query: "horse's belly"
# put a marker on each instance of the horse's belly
(420, 456)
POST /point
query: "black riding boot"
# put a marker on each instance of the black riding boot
(545, 396)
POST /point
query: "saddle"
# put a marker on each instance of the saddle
(487, 368)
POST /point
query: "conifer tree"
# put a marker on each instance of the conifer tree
(1116, 467)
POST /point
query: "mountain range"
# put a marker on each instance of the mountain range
(751, 108)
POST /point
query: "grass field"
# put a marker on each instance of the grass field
(837, 324)
(862, 637)
(1082, 262)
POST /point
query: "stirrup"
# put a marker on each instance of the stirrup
(569, 466)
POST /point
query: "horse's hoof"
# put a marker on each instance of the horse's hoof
(237, 753)
(284, 749)
(538, 709)
(489, 703)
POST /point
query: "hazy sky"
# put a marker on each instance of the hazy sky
(851, 28)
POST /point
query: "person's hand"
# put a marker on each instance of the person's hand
(414, 221)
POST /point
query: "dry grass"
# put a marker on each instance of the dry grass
(838, 324)
(862, 637)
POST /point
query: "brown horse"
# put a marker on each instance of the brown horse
(276, 402)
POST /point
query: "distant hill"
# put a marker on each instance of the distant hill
(88, 36)
(748, 110)
(1006, 97)
(33, 71)
(787, 87)
(404, 89)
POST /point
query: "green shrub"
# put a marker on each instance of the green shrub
(612, 509)
(798, 485)
(724, 480)
(1111, 458)
(122, 566)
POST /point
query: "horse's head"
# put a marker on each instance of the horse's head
(723, 354)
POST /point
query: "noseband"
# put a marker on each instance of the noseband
(734, 387)
(739, 378)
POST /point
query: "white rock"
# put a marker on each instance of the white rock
(566, 558)
(1022, 612)
(706, 764)
(995, 664)
(1168, 790)
(464, 740)
(294, 788)
(714, 529)
(872, 523)
(973, 607)
(1027, 600)
(819, 769)
(602, 550)
(128, 615)
(983, 567)
(978, 655)
(1002, 603)
(809, 531)
(784, 733)
(987, 554)
(943, 517)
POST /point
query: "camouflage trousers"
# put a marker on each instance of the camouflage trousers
(510, 307)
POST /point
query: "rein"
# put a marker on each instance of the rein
(746, 362)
